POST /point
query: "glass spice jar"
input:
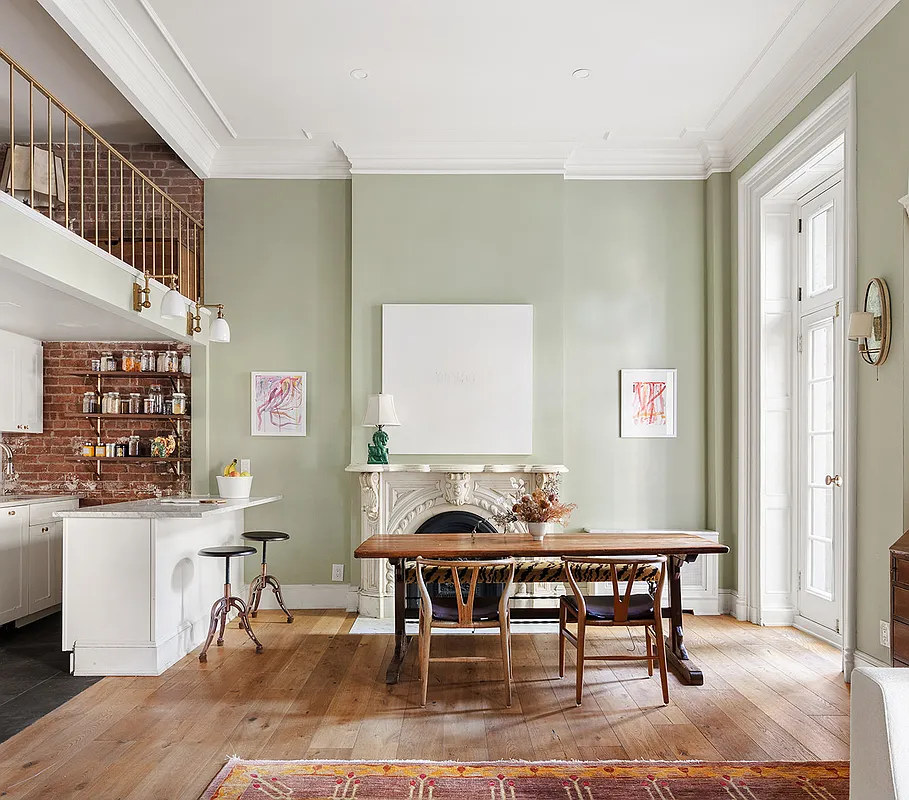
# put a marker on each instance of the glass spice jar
(135, 403)
(108, 362)
(132, 447)
(129, 361)
(89, 403)
(186, 364)
(88, 450)
(120, 449)
(179, 402)
(154, 393)
(172, 361)
(161, 362)
(96, 365)
(147, 361)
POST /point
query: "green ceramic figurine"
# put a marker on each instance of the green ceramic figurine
(378, 450)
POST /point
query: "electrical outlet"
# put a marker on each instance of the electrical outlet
(244, 465)
(337, 572)
(885, 633)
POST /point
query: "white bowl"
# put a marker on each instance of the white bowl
(234, 487)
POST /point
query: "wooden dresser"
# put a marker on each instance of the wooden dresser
(899, 602)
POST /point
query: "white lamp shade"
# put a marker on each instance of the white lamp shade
(861, 325)
(173, 305)
(50, 185)
(219, 330)
(380, 410)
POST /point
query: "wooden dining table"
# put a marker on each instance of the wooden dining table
(677, 547)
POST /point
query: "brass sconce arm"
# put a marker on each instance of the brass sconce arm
(141, 295)
(193, 319)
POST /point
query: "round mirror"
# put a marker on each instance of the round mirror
(877, 303)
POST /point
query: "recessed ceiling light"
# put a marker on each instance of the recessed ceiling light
(359, 74)
(306, 133)
(580, 74)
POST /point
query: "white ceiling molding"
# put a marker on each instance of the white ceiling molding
(468, 158)
(181, 57)
(673, 164)
(843, 29)
(715, 157)
(105, 36)
(280, 159)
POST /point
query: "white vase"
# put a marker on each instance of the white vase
(539, 529)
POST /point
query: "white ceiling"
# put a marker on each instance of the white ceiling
(32, 38)
(675, 89)
(34, 309)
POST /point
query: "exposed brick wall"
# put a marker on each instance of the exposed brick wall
(44, 462)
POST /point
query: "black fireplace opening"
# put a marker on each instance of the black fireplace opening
(451, 522)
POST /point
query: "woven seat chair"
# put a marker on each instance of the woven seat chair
(461, 612)
(628, 609)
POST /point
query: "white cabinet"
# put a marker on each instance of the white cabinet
(21, 384)
(13, 563)
(45, 552)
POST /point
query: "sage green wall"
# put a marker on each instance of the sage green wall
(880, 63)
(277, 255)
(633, 298)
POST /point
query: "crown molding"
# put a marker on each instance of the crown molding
(280, 159)
(801, 74)
(715, 157)
(672, 164)
(462, 158)
(106, 37)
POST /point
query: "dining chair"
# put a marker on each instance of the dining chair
(470, 612)
(626, 609)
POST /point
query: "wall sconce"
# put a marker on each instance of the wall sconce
(218, 331)
(173, 304)
(139, 293)
(870, 327)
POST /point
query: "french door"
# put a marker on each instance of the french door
(821, 524)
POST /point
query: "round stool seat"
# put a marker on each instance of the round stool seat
(266, 536)
(228, 551)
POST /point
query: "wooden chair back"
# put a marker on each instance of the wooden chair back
(621, 601)
(469, 570)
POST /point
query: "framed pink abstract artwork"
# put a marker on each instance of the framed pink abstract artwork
(278, 404)
(648, 403)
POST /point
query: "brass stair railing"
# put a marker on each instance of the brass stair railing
(61, 167)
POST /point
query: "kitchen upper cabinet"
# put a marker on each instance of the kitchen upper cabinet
(21, 384)
(13, 563)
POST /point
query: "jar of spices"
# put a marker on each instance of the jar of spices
(113, 402)
(132, 447)
(148, 361)
(89, 403)
(129, 361)
(109, 450)
(96, 365)
(185, 364)
(135, 403)
(161, 362)
(168, 406)
(172, 361)
(88, 450)
(148, 405)
(108, 363)
(99, 451)
(154, 393)
(120, 449)
(179, 403)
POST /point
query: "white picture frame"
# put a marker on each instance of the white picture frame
(278, 404)
(649, 403)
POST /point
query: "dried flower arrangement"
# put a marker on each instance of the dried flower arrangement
(540, 505)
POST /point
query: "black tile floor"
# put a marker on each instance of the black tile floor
(34, 674)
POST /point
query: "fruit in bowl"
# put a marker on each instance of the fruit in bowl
(233, 483)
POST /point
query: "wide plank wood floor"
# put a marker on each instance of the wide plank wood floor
(318, 692)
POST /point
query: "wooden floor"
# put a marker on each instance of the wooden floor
(317, 692)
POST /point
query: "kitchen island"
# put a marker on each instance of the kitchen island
(136, 594)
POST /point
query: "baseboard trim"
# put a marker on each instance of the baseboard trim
(312, 595)
(817, 631)
(728, 600)
(864, 660)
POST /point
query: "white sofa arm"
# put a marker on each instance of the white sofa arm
(879, 734)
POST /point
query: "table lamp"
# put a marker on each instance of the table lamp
(380, 411)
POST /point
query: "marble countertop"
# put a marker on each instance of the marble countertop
(457, 468)
(162, 509)
(33, 499)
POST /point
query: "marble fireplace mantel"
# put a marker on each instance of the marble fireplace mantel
(398, 498)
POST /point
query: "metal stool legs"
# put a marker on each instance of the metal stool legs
(219, 611)
(260, 583)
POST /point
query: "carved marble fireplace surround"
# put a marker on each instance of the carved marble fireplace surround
(398, 498)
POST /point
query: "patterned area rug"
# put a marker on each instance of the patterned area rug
(603, 780)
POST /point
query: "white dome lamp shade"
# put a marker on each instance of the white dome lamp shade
(219, 330)
(173, 304)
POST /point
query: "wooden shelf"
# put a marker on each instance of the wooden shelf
(186, 417)
(120, 374)
(133, 459)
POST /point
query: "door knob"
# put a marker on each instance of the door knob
(833, 480)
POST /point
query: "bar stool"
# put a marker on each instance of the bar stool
(263, 579)
(224, 604)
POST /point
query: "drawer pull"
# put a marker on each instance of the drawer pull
(11, 513)
(45, 530)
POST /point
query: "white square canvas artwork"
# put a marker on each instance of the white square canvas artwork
(648, 403)
(461, 376)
